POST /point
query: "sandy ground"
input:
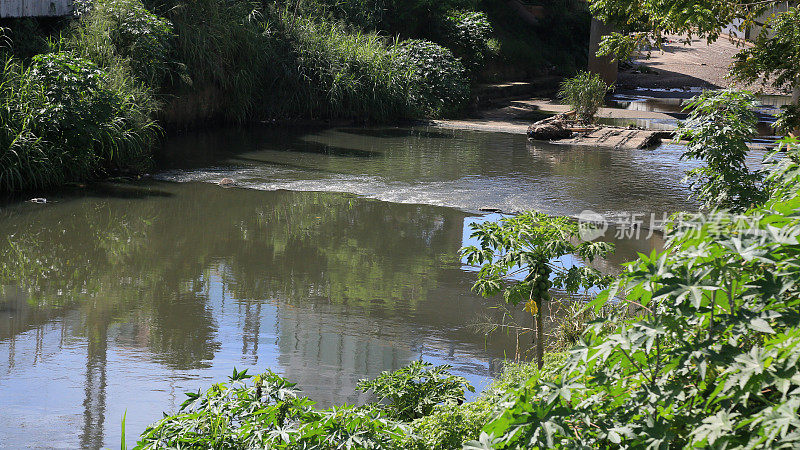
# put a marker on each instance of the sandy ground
(678, 66)
(683, 66)
(516, 117)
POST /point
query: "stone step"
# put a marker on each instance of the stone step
(486, 94)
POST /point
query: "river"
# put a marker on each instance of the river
(332, 259)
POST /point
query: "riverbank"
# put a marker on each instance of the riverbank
(517, 115)
(154, 66)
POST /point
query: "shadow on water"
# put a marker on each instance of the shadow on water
(306, 146)
(212, 147)
(387, 133)
(131, 190)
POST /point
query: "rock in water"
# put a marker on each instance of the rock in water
(226, 182)
(551, 129)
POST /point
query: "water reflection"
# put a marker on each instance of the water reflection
(124, 297)
(114, 304)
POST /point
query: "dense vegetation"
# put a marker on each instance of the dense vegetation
(178, 63)
(63, 118)
(710, 360)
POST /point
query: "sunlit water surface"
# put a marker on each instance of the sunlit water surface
(333, 259)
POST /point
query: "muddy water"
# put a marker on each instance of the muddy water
(333, 259)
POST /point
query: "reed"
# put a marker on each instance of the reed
(63, 119)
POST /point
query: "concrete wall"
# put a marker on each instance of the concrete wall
(605, 66)
(35, 8)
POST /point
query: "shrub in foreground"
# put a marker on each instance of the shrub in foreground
(267, 411)
(413, 391)
(712, 359)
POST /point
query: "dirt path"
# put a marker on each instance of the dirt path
(681, 66)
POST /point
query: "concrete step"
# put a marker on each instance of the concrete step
(487, 94)
(620, 138)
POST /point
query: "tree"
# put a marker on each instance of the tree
(775, 57)
(533, 244)
(718, 129)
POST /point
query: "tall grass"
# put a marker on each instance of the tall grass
(246, 62)
(585, 92)
(333, 73)
(88, 107)
(63, 119)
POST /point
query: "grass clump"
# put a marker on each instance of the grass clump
(329, 72)
(585, 92)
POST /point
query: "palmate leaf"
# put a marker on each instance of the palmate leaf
(714, 428)
(710, 360)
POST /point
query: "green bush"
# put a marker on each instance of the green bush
(712, 361)
(63, 120)
(328, 72)
(413, 391)
(468, 34)
(113, 32)
(718, 129)
(438, 84)
(585, 92)
(448, 427)
(269, 413)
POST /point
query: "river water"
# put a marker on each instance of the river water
(333, 259)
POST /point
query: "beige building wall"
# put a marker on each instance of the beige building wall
(35, 8)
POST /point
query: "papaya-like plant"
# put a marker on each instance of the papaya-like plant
(718, 129)
(532, 246)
